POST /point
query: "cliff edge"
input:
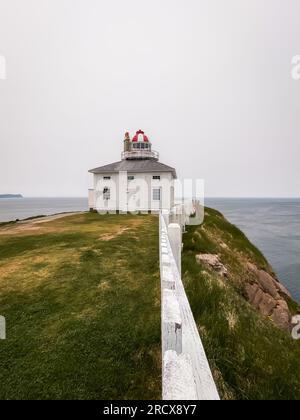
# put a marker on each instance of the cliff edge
(244, 314)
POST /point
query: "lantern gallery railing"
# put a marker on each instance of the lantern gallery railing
(140, 154)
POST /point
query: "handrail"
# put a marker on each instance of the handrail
(140, 154)
(186, 372)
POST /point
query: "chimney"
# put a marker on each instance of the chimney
(126, 142)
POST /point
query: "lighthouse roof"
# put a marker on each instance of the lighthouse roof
(140, 136)
(138, 166)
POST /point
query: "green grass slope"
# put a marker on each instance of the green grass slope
(250, 357)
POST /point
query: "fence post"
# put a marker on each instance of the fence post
(175, 237)
(2, 328)
(178, 379)
(166, 216)
(171, 323)
(186, 372)
(168, 281)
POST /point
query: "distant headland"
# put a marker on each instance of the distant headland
(11, 196)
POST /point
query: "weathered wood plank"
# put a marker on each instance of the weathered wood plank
(171, 322)
(178, 378)
(192, 347)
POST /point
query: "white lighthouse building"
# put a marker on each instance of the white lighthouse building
(136, 183)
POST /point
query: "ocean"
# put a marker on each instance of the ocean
(273, 225)
(21, 208)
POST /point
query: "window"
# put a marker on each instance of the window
(156, 177)
(156, 194)
(140, 146)
(106, 193)
(130, 178)
(107, 178)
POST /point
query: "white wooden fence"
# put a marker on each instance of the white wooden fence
(186, 373)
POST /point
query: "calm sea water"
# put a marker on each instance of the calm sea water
(271, 224)
(21, 208)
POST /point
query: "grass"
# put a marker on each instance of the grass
(82, 304)
(250, 357)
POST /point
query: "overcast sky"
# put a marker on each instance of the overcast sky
(208, 80)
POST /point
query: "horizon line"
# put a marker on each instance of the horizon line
(205, 197)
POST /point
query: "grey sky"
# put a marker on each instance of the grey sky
(209, 81)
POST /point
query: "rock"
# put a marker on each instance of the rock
(268, 284)
(282, 304)
(267, 305)
(214, 262)
(281, 316)
(252, 267)
(260, 300)
(265, 297)
(283, 290)
(266, 281)
(251, 290)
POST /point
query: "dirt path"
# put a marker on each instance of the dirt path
(33, 224)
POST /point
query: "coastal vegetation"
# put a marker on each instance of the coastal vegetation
(250, 355)
(81, 299)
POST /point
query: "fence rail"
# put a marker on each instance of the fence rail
(186, 372)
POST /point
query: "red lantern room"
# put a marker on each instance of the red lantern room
(140, 137)
(139, 147)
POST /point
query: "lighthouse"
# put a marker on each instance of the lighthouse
(138, 148)
(139, 182)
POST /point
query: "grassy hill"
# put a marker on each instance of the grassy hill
(250, 356)
(81, 299)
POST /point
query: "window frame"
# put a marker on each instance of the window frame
(155, 196)
(106, 193)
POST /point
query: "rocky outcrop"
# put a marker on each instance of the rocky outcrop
(262, 301)
(282, 316)
(213, 261)
(267, 295)
(283, 289)
(264, 292)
